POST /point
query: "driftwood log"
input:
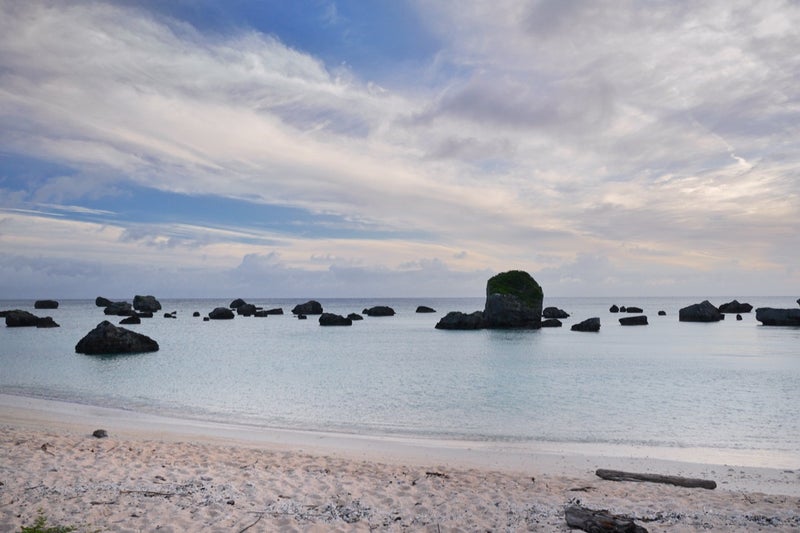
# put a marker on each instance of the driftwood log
(616, 475)
(599, 521)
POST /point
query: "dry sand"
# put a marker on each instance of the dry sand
(160, 474)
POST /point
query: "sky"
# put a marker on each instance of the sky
(398, 148)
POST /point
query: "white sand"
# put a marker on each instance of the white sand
(160, 474)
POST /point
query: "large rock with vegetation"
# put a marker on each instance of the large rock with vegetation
(769, 316)
(107, 338)
(702, 312)
(513, 300)
(146, 304)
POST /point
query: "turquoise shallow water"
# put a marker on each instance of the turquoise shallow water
(731, 385)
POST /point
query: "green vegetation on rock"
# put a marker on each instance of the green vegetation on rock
(518, 283)
(40, 526)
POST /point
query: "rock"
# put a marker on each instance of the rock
(119, 309)
(45, 304)
(46, 322)
(355, 316)
(237, 303)
(702, 312)
(633, 321)
(613, 309)
(311, 307)
(100, 434)
(459, 320)
(260, 313)
(776, 317)
(196, 314)
(102, 302)
(735, 307)
(554, 312)
(107, 338)
(301, 317)
(275, 311)
(590, 324)
(425, 309)
(144, 314)
(662, 313)
(206, 319)
(551, 323)
(221, 313)
(173, 314)
(513, 300)
(246, 310)
(738, 317)
(633, 309)
(147, 304)
(379, 310)
(622, 309)
(17, 318)
(131, 320)
(330, 319)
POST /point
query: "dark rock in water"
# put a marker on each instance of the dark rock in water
(131, 320)
(45, 304)
(776, 317)
(221, 313)
(148, 303)
(46, 322)
(613, 309)
(107, 338)
(513, 300)
(379, 310)
(301, 317)
(590, 324)
(102, 302)
(100, 434)
(702, 312)
(237, 303)
(662, 313)
(622, 309)
(311, 307)
(260, 313)
(330, 319)
(738, 317)
(196, 313)
(425, 309)
(633, 309)
(551, 323)
(173, 314)
(633, 321)
(735, 307)
(144, 314)
(355, 316)
(459, 320)
(206, 319)
(20, 319)
(275, 311)
(554, 312)
(119, 309)
(246, 310)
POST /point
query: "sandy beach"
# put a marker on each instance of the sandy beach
(159, 474)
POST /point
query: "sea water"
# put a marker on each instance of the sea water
(730, 385)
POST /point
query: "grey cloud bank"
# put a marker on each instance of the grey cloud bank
(608, 148)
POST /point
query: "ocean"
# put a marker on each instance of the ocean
(732, 385)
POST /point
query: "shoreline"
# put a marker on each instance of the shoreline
(173, 474)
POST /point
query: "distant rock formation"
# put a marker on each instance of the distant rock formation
(107, 338)
(196, 314)
(102, 302)
(613, 309)
(238, 302)
(702, 312)
(45, 304)
(662, 313)
(425, 309)
(551, 323)
(634, 309)
(311, 307)
(735, 307)
(246, 309)
(17, 318)
(221, 313)
(331, 319)
(131, 320)
(590, 324)
(355, 316)
(459, 320)
(119, 309)
(513, 300)
(379, 310)
(776, 317)
(640, 320)
(554, 312)
(146, 304)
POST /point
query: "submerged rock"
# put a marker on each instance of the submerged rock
(551, 323)
(379, 310)
(46, 322)
(425, 309)
(590, 324)
(131, 320)
(355, 316)
(634, 309)
(311, 307)
(633, 321)
(107, 338)
(662, 313)
(702, 312)
(513, 300)
(459, 320)
(331, 319)
(554, 312)
(778, 317)
(45, 304)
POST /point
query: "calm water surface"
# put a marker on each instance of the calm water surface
(731, 385)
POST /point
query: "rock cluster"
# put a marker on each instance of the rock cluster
(17, 318)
